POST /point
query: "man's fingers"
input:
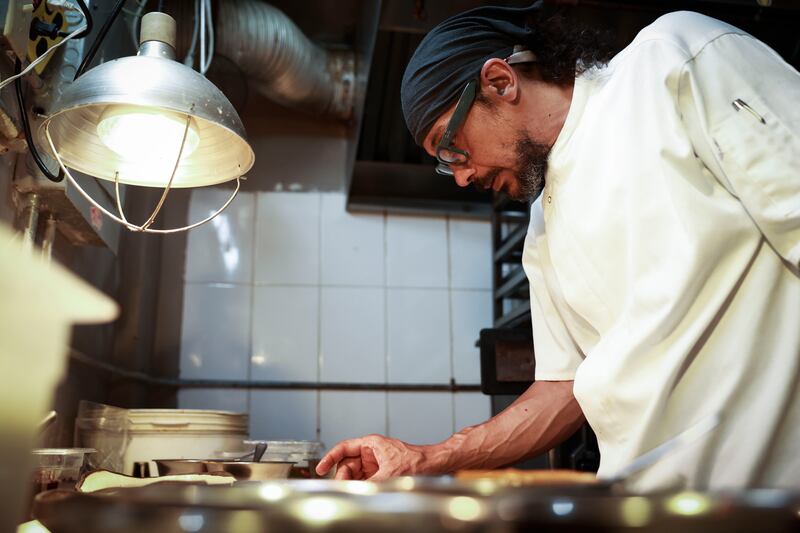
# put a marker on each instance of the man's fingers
(346, 448)
(350, 468)
(343, 472)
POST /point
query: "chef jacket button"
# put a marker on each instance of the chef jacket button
(549, 199)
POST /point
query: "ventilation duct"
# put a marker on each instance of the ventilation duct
(282, 63)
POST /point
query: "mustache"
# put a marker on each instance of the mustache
(484, 183)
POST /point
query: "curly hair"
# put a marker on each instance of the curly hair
(564, 49)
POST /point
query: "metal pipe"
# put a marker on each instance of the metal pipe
(283, 64)
(30, 214)
(49, 237)
(274, 385)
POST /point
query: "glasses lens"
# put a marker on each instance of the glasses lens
(451, 156)
(444, 170)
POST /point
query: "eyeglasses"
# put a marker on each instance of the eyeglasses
(446, 153)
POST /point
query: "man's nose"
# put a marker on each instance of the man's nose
(463, 175)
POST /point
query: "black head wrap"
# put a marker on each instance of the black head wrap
(452, 54)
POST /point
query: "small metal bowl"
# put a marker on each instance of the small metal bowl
(169, 467)
(241, 470)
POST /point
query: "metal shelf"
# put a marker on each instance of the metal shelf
(518, 317)
(509, 228)
(510, 250)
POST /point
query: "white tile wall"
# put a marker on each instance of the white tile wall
(418, 336)
(285, 325)
(222, 250)
(421, 417)
(336, 297)
(352, 337)
(470, 254)
(416, 251)
(219, 399)
(352, 245)
(472, 311)
(283, 414)
(215, 338)
(471, 408)
(287, 238)
(350, 414)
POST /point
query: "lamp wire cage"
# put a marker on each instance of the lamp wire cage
(121, 218)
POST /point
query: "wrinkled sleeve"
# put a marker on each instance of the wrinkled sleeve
(557, 356)
(741, 104)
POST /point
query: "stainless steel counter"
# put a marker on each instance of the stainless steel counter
(410, 504)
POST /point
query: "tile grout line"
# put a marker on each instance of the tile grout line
(254, 244)
(450, 320)
(334, 286)
(319, 316)
(386, 316)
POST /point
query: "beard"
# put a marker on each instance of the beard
(532, 165)
(531, 160)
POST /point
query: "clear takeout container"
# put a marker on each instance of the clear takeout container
(58, 468)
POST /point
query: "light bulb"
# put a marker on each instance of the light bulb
(140, 134)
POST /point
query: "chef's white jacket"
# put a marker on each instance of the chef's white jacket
(663, 256)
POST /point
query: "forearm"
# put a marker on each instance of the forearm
(542, 417)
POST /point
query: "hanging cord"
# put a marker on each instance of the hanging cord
(26, 127)
(206, 4)
(189, 59)
(201, 10)
(87, 18)
(101, 35)
(136, 20)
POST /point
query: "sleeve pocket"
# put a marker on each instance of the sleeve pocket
(760, 156)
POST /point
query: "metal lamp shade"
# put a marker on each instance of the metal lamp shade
(154, 82)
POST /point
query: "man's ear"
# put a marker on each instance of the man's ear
(499, 82)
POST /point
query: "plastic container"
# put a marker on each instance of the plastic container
(127, 438)
(304, 454)
(58, 468)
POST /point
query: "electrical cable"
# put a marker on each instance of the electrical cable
(101, 35)
(210, 23)
(202, 10)
(137, 17)
(40, 58)
(26, 127)
(87, 18)
(189, 59)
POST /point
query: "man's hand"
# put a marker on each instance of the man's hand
(376, 458)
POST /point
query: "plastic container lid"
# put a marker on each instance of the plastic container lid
(191, 420)
(61, 458)
(62, 451)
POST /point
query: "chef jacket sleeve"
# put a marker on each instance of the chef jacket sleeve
(741, 104)
(557, 356)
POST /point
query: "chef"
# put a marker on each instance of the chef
(663, 250)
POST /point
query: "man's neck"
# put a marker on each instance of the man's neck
(547, 108)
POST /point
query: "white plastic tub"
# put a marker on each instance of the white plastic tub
(124, 438)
